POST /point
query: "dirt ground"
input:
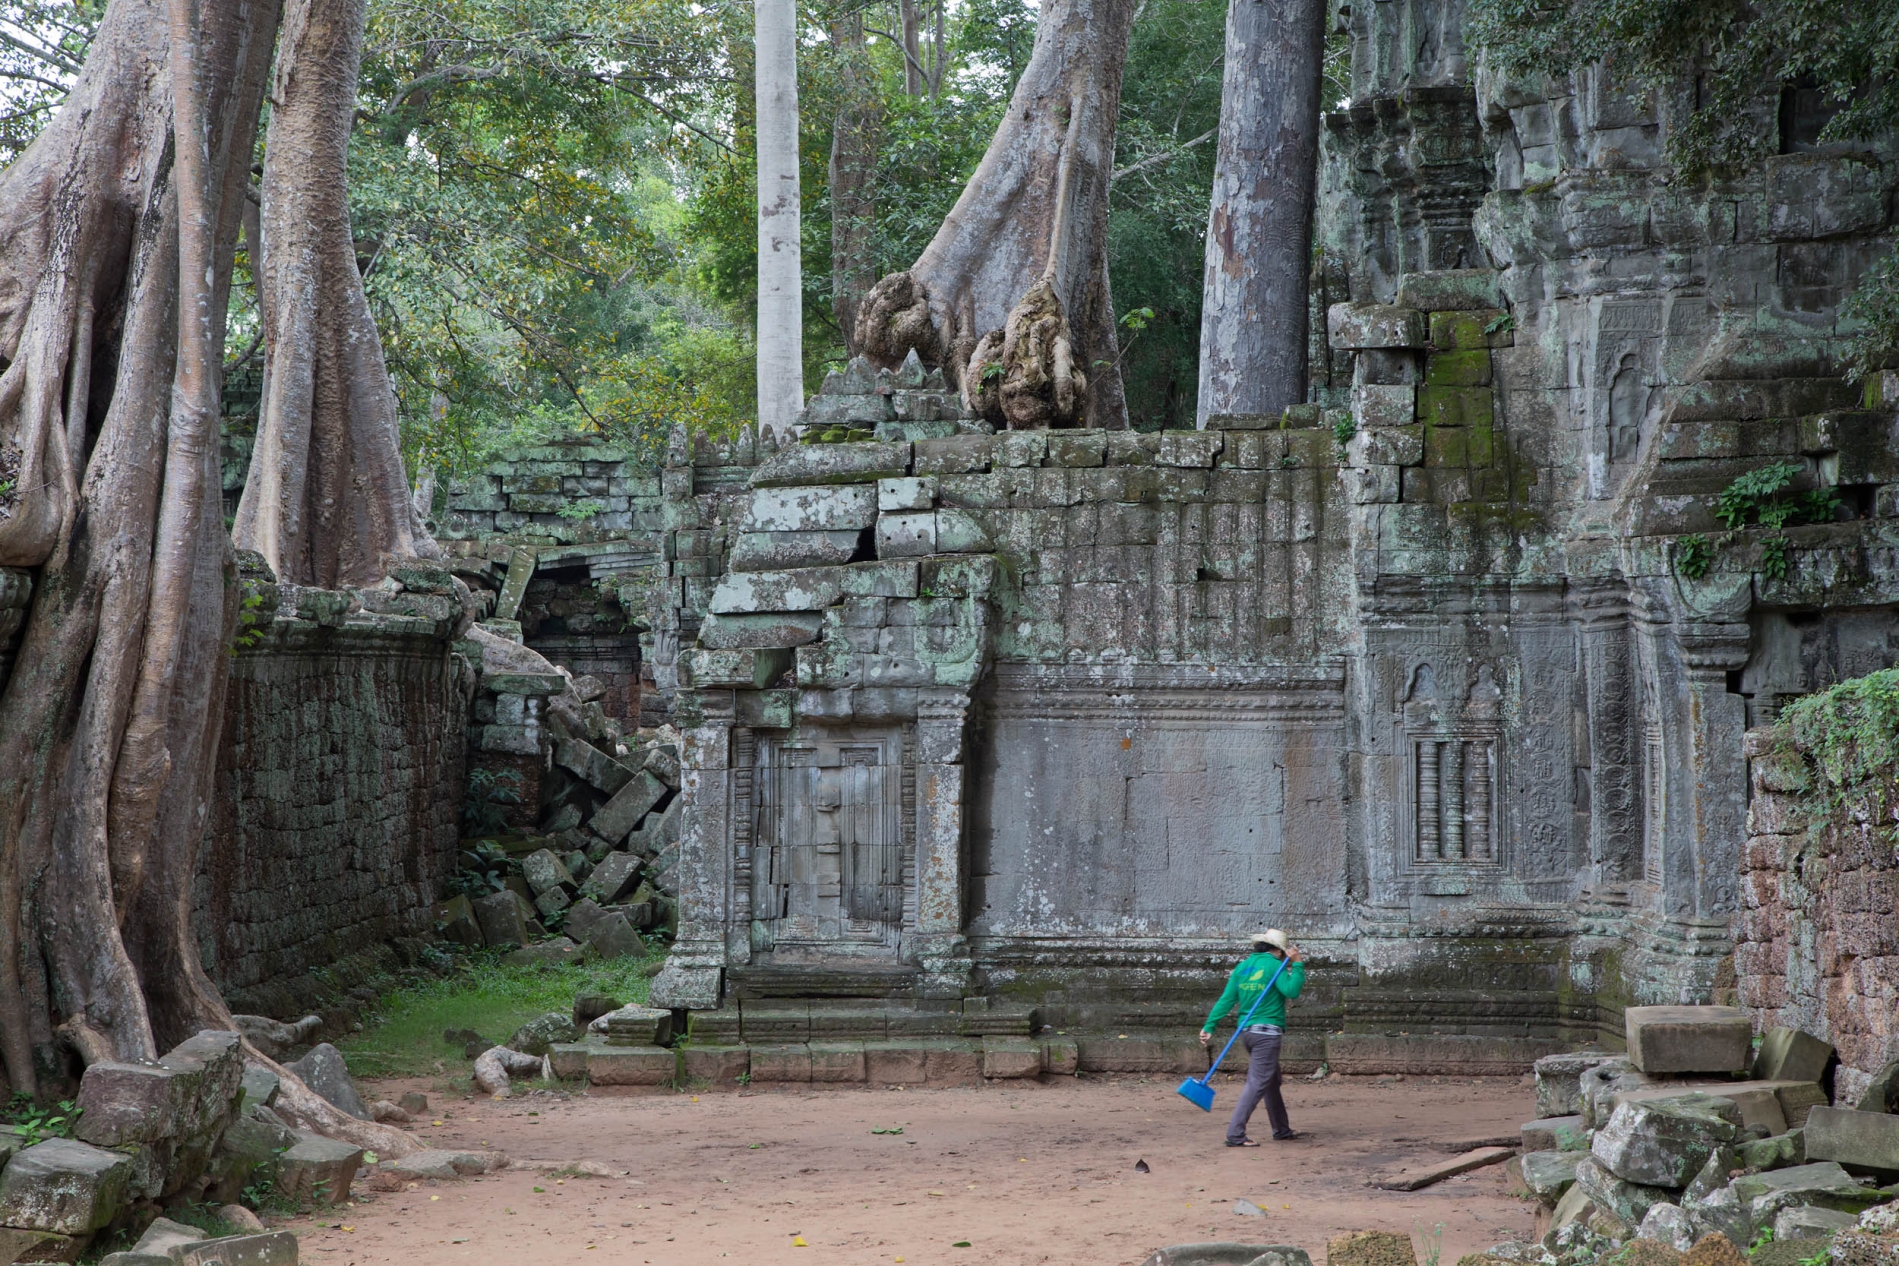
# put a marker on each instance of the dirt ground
(1024, 1173)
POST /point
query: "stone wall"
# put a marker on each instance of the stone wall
(339, 785)
(1818, 945)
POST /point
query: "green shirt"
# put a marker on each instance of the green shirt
(1248, 981)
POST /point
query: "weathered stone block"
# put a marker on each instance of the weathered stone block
(504, 918)
(631, 1066)
(953, 1064)
(769, 551)
(543, 869)
(1077, 448)
(1549, 1174)
(804, 464)
(1559, 1081)
(917, 492)
(1555, 1134)
(1457, 369)
(1664, 1142)
(569, 1059)
(1864, 1140)
(1453, 289)
(317, 1170)
(1455, 406)
(1804, 1222)
(613, 878)
(63, 1186)
(1789, 1055)
(1011, 1057)
(1387, 445)
(1865, 1248)
(1823, 1184)
(895, 1064)
(958, 532)
(1668, 1224)
(719, 1065)
(1459, 331)
(122, 1104)
(836, 1061)
(1626, 1201)
(851, 507)
(1384, 405)
(1359, 325)
(1061, 1056)
(1778, 1152)
(906, 535)
(1196, 449)
(635, 1025)
(324, 1071)
(620, 815)
(956, 455)
(789, 1062)
(740, 632)
(1688, 1039)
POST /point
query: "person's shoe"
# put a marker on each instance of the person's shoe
(1241, 1143)
(1289, 1134)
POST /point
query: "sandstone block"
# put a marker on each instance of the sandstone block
(63, 1186)
(618, 816)
(719, 1065)
(543, 869)
(1573, 1209)
(317, 1170)
(1664, 1142)
(1370, 1248)
(1822, 1184)
(1804, 1222)
(1626, 1201)
(1077, 448)
(1688, 1039)
(1865, 1248)
(1360, 325)
(850, 508)
(915, 492)
(557, 950)
(1777, 1152)
(542, 1032)
(1384, 405)
(1882, 1092)
(613, 936)
(635, 1025)
(1559, 1081)
(526, 684)
(953, 1064)
(1010, 1058)
(770, 551)
(125, 1104)
(1721, 1212)
(836, 1061)
(1458, 369)
(1455, 331)
(1450, 289)
(1061, 1055)
(1195, 449)
(631, 1066)
(503, 917)
(1864, 1140)
(591, 765)
(1668, 1224)
(1456, 406)
(570, 1058)
(551, 903)
(755, 632)
(906, 535)
(1789, 1055)
(894, 1064)
(323, 1071)
(255, 1141)
(458, 922)
(790, 1062)
(803, 464)
(1555, 1134)
(1549, 1174)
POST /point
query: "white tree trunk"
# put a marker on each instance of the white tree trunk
(780, 285)
(1259, 231)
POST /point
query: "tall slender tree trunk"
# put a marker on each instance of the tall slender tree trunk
(1017, 276)
(1259, 229)
(327, 502)
(852, 173)
(780, 283)
(911, 30)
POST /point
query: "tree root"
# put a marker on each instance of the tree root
(305, 1109)
(1040, 386)
(494, 1065)
(982, 380)
(893, 319)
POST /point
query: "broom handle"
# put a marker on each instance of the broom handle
(1241, 1026)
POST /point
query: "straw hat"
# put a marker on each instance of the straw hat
(1273, 937)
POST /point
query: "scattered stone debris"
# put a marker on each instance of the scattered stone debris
(1229, 1255)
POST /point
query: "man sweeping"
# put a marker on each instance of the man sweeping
(1264, 1030)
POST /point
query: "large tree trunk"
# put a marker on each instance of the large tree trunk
(327, 502)
(1259, 230)
(117, 228)
(852, 171)
(1017, 276)
(780, 284)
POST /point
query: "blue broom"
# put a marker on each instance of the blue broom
(1195, 1090)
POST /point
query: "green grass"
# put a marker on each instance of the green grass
(404, 1037)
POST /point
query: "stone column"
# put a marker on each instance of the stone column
(942, 859)
(1614, 726)
(694, 973)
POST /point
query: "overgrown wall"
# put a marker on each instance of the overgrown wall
(1819, 942)
(339, 790)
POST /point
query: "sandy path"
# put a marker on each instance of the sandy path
(1027, 1174)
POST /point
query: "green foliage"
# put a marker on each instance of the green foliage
(1850, 731)
(1761, 497)
(1693, 556)
(486, 790)
(251, 621)
(46, 42)
(404, 1037)
(1344, 429)
(1774, 562)
(35, 1122)
(482, 868)
(1502, 323)
(582, 510)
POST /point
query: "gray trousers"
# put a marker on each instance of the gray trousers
(1262, 1082)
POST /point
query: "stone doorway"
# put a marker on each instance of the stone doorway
(836, 858)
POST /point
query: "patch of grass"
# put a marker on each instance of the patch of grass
(404, 1037)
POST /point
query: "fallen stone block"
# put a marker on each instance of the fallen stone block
(1789, 1055)
(440, 1164)
(63, 1186)
(1663, 1142)
(1410, 1179)
(258, 1088)
(1863, 1140)
(543, 870)
(1777, 1152)
(317, 1170)
(719, 1065)
(615, 876)
(1797, 1100)
(324, 1071)
(1626, 1201)
(1688, 1039)
(160, 1245)
(568, 1060)
(269, 1248)
(1668, 1224)
(1548, 1175)
(591, 765)
(1559, 1081)
(589, 1007)
(539, 1034)
(1574, 1209)
(631, 1066)
(1370, 1248)
(458, 922)
(1223, 1254)
(1712, 1176)
(1805, 1222)
(1601, 1084)
(125, 1104)
(1554, 1134)
(1007, 1058)
(1721, 1212)
(557, 950)
(1882, 1092)
(635, 1025)
(255, 1142)
(618, 816)
(1822, 1184)
(612, 936)
(504, 918)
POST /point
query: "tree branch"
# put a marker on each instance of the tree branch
(444, 75)
(1164, 157)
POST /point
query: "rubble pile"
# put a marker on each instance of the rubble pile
(596, 869)
(1699, 1143)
